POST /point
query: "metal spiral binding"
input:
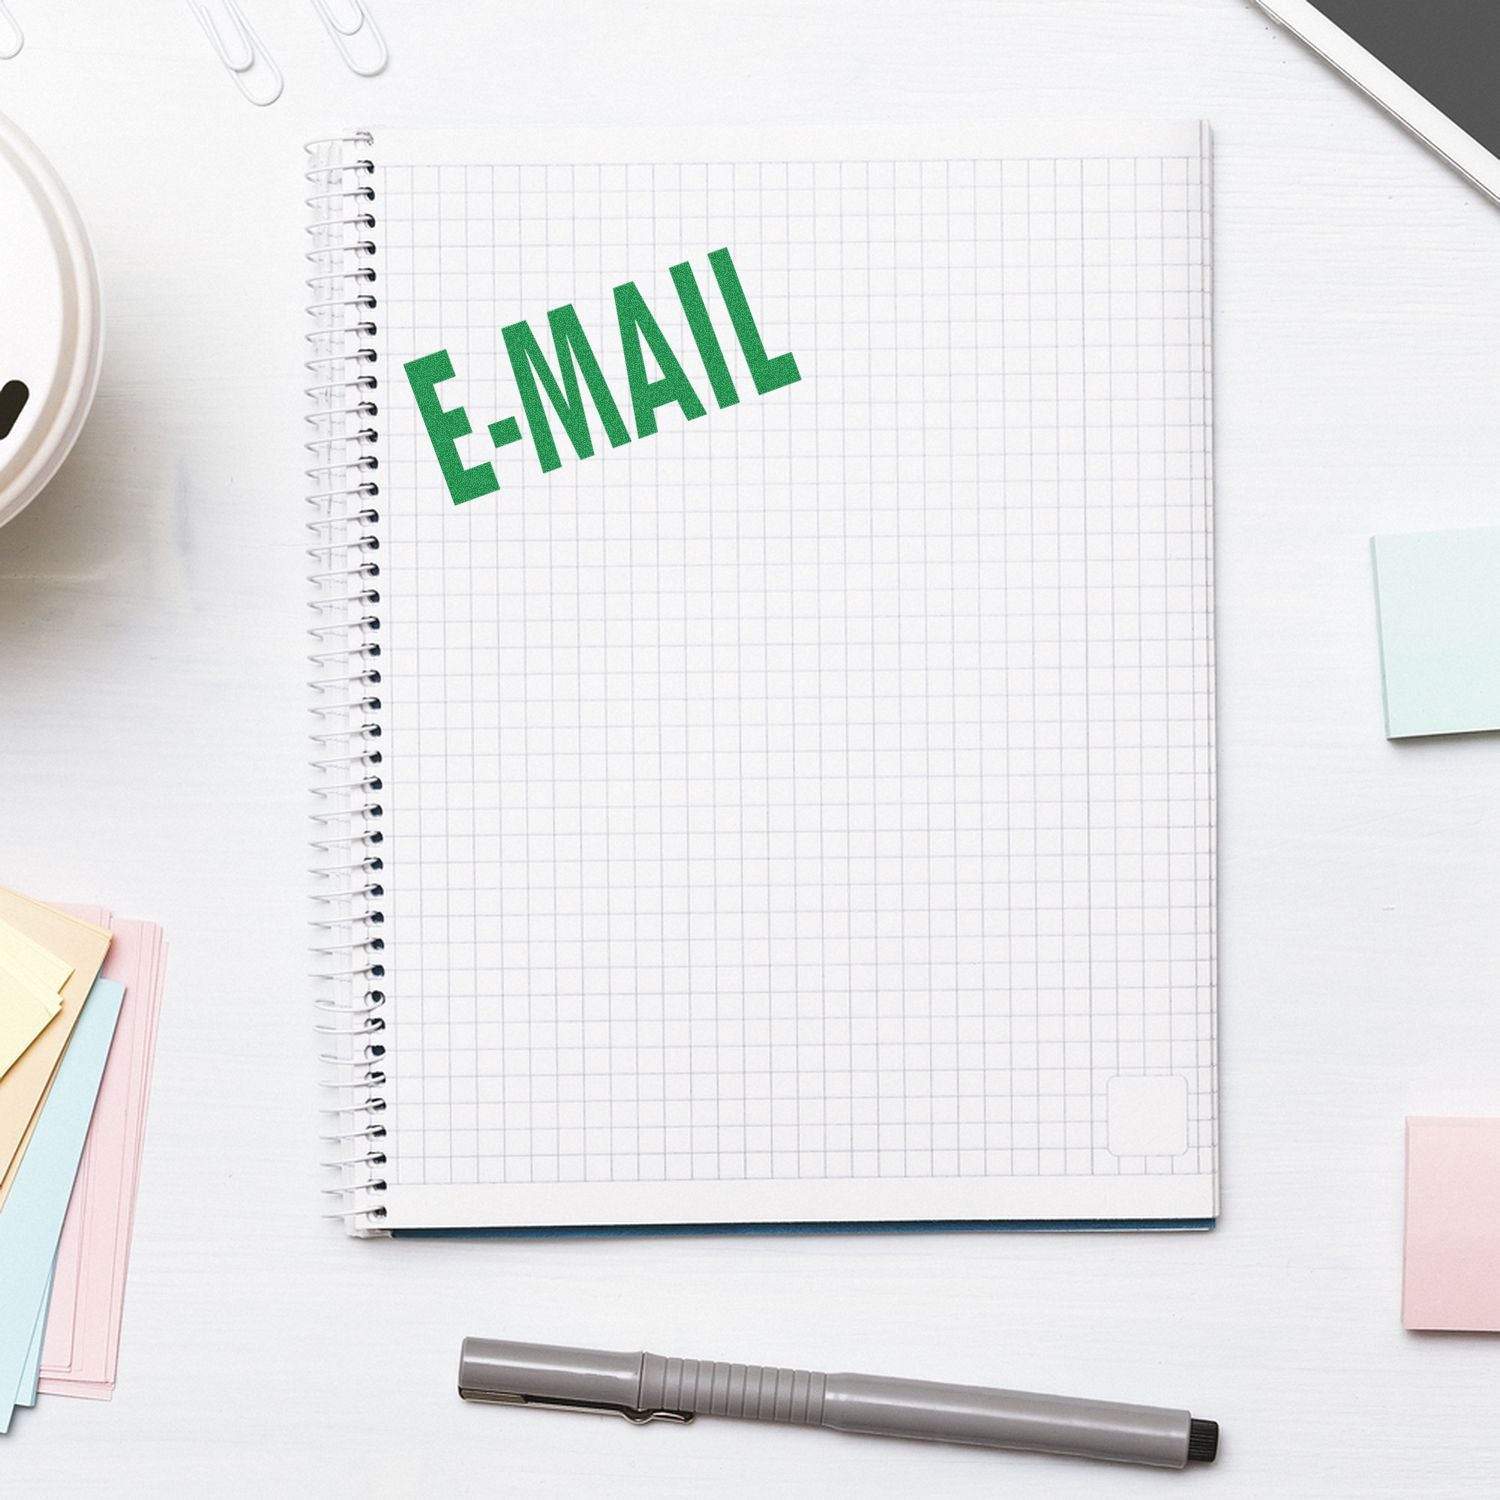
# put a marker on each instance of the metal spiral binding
(344, 540)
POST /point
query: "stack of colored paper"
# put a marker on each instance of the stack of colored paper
(80, 993)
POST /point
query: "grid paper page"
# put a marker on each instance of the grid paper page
(807, 812)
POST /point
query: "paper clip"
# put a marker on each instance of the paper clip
(12, 39)
(241, 59)
(362, 25)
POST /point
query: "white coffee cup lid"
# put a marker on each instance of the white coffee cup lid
(49, 310)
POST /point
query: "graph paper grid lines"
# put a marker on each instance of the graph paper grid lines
(822, 789)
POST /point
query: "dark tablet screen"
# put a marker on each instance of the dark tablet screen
(1447, 50)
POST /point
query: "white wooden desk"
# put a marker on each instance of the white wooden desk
(151, 759)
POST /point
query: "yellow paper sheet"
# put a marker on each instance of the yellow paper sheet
(31, 978)
(25, 1009)
(23, 955)
(82, 946)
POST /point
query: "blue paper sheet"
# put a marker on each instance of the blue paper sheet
(32, 1219)
(1437, 594)
(31, 1374)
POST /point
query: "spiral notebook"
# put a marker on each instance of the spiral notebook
(764, 706)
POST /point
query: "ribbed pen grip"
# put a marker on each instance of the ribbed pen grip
(760, 1393)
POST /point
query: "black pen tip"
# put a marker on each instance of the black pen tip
(1203, 1440)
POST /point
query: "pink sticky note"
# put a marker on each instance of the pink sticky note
(82, 1343)
(1452, 1225)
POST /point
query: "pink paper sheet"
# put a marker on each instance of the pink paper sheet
(81, 1350)
(1452, 1275)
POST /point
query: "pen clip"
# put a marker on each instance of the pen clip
(517, 1398)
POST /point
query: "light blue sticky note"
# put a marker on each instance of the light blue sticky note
(32, 1219)
(1437, 594)
(31, 1373)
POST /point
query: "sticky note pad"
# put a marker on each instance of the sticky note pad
(31, 1219)
(1452, 1275)
(1437, 595)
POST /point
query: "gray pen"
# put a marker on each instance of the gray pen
(646, 1387)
